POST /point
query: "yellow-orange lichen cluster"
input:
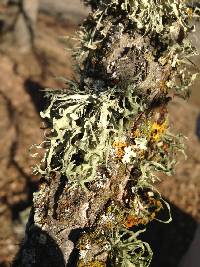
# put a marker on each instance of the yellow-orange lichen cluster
(189, 12)
(94, 263)
(119, 149)
(157, 130)
(134, 220)
(147, 133)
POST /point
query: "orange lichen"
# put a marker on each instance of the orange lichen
(119, 149)
(157, 207)
(189, 11)
(134, 221)
(157, 130)
(152, 207)
(136, 133)
(94, 263)
(82, 247)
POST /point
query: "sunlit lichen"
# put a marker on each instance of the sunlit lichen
(110, 132)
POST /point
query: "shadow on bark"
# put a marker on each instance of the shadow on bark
(38, 249)
(35, 90)
(168, 241)
(198, 127)
(73, 258)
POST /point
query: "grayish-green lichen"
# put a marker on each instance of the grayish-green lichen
(109, 132)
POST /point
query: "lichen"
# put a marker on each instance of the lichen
(110, 130)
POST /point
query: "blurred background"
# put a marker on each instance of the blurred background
(32, 55)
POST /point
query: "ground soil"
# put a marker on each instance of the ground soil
(22, 78)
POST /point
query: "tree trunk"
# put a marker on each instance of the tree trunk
(108, 136)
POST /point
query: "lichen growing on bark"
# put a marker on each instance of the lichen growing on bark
(109, 132)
